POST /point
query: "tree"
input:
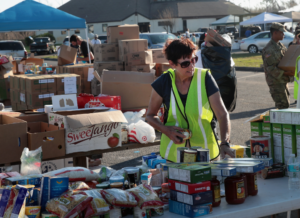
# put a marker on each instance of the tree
(169, 20)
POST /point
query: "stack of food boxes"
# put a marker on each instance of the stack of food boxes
(35, 91)
(190, 189)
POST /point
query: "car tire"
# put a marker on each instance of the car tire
(253, 49)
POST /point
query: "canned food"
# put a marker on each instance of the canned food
(189, 156)
(202, 155)
(180, 154)
(187, 133)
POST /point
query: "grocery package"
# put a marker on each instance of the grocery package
(193, 199)
(242, 166)
(146, 197)
(25, 180)
(68, 205)
(4, 200)
(267, 161)
(156, 179)
(31, 161)
(190, 188)
(141, 213)
(33, 211)
(97, 206)
(116, 212)
(89, 101)
(16, 203)
(78, 186)
(75, 174)
(119, 198)
(52, 187)
(189, 210)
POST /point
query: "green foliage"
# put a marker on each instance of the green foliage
(29, 41)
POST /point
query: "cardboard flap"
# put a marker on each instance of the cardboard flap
(288, 61)
(82, 120)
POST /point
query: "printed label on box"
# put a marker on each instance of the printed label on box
(90, 74)
(70, 85)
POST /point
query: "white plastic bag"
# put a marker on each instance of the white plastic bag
(31, 161)
(141, 132)
(134, 117)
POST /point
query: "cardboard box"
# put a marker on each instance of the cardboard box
(131, 46)
(38, 100)
(193, 199)
(13, 168)
(21, 107)
(113, 66)
(216, 39)
(267, 130)
(35, 61)
(34, 117)
(50, 137)
(139, 58)
(285, 116)
(289, 141)
(189, 188)
(158, 56)
(51, 165)
(33, 84)
(121, 32)
(188, 210)
(289, 59)
(256, 128)
(88, 130)
(278, 143)
(67, 55)
(60, 84)
(87, 87)
(15, 67)
(240, 151)
(106, 52)
(134, 88)
(13, 139)
(148, 68)
(5, 73)
(161, 68)
(100, 101)
(189, 172)
(4, 89)
(15, 96)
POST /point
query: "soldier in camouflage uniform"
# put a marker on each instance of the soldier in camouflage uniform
(276, 78)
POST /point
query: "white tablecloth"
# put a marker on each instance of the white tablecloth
(273, 197)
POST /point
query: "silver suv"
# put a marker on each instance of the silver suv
(13, 48)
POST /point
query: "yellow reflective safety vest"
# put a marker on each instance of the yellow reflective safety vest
(195, 116)
(296, 85)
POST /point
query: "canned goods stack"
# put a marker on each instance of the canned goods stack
(193, 154)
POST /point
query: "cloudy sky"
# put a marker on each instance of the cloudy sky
(56, 3)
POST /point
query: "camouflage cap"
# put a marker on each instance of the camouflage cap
(278, 26)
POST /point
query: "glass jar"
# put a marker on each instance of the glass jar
(235, 190)
(215, 187)
(251, 183)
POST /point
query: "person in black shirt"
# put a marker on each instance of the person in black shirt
(77, 41)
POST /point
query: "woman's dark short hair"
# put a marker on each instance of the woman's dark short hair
(179, 48)
(73, 38)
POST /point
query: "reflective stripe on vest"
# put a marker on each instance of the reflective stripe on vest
(197, 117)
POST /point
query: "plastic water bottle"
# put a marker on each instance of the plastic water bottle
(293, 171)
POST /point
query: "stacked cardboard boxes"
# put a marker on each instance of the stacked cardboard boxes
(35, 91)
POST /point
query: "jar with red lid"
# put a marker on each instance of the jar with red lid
(235, 190)
(215, 187)
(251, 183)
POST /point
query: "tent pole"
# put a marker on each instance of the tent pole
(87, 42)
(69, 38)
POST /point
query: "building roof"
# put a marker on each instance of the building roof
(99, 11)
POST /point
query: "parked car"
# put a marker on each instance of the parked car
(157, 40)
(204, 30)
(103, 39)
(42, 44)
(258, 41)
(231, 29)
(13, 48)
(254, 30)
(66, 41)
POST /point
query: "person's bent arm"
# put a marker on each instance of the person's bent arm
(222, 115)
(87, 58)
(170, 131)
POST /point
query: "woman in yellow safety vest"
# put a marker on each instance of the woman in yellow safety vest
(190, 97)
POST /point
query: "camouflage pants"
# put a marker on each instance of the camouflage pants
(280, 94)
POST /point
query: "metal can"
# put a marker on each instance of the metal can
(202, 155)
(187, 133)
(189, 156)
(180, 154)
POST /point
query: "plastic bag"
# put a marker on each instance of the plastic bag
(97, 206)
(141, 132)
(134, 117)
(31, 161)
(120, 172)
(75, 174)
(118, 198)
(146, 197)
(68, 205)
(78, 186)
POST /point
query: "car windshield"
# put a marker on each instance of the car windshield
(41, 40)
(161, 38)
(289, 35)
(102, 37)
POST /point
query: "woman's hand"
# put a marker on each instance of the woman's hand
(224, 149)
(173, 134)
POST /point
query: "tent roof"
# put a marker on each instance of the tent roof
(30, 15)
(294, 15)
(266, 17)
(295, 8)
(230, 19)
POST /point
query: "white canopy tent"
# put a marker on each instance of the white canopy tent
(228, 20)
(292, 9)
(266, 17)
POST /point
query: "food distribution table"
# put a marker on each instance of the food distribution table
(273, 197)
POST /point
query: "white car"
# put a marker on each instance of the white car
(258, 41)
(13, 48)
